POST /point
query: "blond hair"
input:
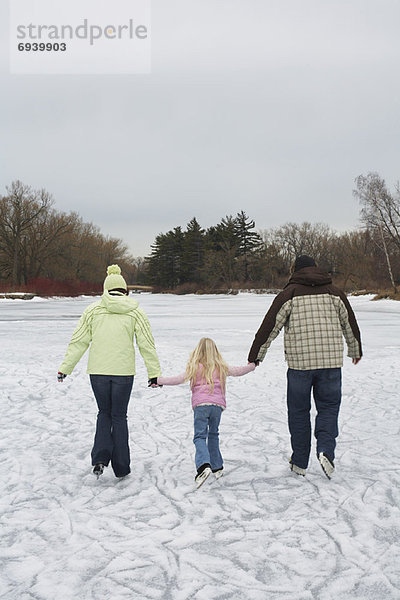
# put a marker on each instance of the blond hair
(207, 355)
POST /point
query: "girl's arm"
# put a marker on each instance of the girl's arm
(176, 380)
(237, 371)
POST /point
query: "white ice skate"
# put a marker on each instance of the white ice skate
(218, 473)
(327, 464)
(202, 476)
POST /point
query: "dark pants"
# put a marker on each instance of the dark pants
(326, 385)
(112, 393)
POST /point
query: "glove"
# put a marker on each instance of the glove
(61, 376)
(152, 382)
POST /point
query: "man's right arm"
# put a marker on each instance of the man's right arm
(272, 324)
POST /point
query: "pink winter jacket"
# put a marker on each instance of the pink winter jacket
(201, 393)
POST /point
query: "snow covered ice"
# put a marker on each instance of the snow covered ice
(258, 533)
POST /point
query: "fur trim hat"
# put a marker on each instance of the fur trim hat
(114, 279)
(304, 261)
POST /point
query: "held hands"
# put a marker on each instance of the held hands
(152, 383)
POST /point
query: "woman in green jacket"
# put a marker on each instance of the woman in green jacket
(109, 327)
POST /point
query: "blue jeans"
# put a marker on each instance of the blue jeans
(206, 436)
(326, 385)
(111, 441)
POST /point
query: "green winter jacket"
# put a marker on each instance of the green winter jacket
(109, 327)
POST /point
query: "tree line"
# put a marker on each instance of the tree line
(37, 241)
(233, 254)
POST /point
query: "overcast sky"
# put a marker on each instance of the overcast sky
(270, 106)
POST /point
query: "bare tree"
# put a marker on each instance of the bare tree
(380, 212)
(45, 239)
(306, 238)
(37, 241)
(275, 262)
(18, 210)
(356, 260)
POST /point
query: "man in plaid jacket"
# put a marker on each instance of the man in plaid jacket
(316, 316)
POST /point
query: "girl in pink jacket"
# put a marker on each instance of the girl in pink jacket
(207, 371)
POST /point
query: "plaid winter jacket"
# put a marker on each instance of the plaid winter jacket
(316, 315)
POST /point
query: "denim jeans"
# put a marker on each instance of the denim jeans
(206, 436)
(326, 385)
(111, 443)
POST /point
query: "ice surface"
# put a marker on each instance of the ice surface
(258, 533)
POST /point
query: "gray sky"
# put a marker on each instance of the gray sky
(270, 106)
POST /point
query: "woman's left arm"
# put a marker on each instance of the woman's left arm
(146, 345)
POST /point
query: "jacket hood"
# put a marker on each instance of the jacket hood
(310, 276)
(119, 304)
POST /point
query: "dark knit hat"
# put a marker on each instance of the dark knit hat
(304, 261)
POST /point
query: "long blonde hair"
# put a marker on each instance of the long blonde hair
(206, 354)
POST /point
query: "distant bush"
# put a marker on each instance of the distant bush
(387, 295)
(51, 287)
(186, 288)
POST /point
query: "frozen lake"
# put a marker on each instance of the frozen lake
(258, 533)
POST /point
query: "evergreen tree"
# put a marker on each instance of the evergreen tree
(193, 252)
(248, 240)
(222, 248)
(165, 261)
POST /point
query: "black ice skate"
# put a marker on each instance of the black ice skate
(98, 469)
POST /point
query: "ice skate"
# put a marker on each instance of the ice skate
(202, 473)
(218, 473)
(296, 469)
(327, 464)
(98, 469)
